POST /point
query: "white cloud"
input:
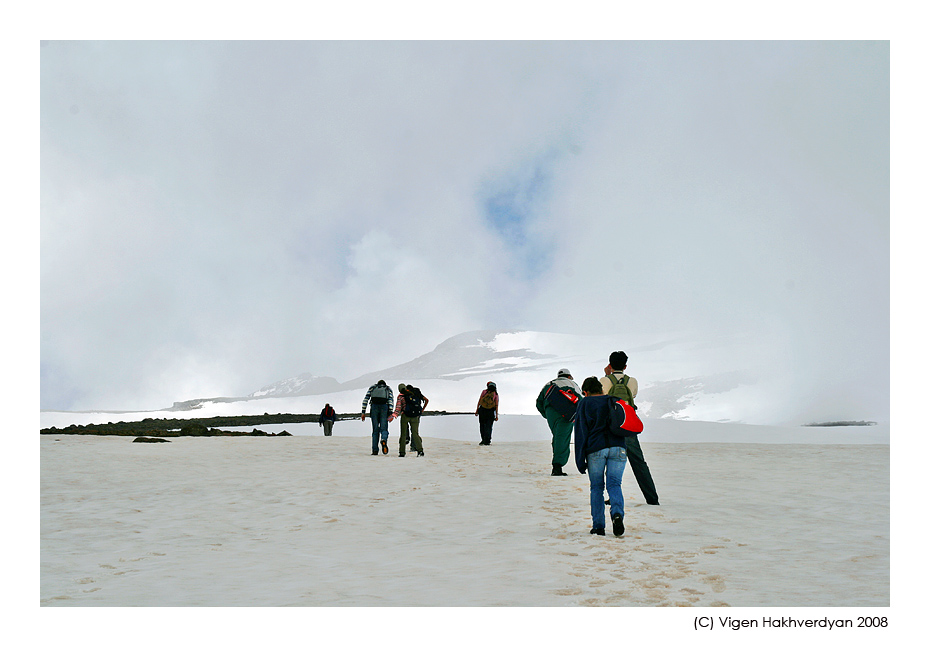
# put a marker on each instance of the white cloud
(248, 211)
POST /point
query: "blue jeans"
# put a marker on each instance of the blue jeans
(609, 461)
(379, 424)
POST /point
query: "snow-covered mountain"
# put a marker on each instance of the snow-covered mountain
(679, 378)
(303, 384)
(728, 378)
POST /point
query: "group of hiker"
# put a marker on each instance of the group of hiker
(601, 449)
(409, 407)
(379, 400)
(585, 414)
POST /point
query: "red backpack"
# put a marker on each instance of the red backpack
(623, 419)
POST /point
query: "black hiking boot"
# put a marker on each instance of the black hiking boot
(374, 453)
(557, 471)
(618, 524)
(420, 453)
(384, 449)
(597, 531)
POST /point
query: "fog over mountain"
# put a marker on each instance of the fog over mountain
(719, 380)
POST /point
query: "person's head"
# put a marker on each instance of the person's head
(618, 360)
(592, 386)
(401, 387)
(492, 387)
(564, 372)
(327, 405)
(382, 383)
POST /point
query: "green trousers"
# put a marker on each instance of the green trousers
(410, 428)
(561, 436)
(634, 456)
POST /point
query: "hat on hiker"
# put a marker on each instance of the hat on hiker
(564, 372)
(401, 387)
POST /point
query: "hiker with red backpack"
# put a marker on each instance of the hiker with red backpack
(556, 403)
(616, 382)
(601, 452)
(488, 402)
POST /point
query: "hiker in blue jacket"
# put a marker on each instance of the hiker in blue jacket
(601, 454)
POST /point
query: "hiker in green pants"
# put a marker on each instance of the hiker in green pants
(616, 383)
(556, 403)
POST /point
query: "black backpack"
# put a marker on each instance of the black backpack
(413, 402)
(562, 399)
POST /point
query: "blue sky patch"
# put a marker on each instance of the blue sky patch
(512, 209)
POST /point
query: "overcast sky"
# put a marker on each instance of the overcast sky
(216, 216)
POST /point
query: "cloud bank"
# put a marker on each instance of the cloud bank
(216, 216)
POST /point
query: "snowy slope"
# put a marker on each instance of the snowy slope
(679, 378)
(303, 384)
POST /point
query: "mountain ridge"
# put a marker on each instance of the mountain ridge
(524, 360)
(716, 378)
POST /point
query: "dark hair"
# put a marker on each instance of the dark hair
(492, 387)
(592, 385)
(618, 360)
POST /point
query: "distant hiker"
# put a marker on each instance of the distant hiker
(600, 453)
(556, 403)
(615, 382)
(382, 401)
(410, 404)
(327, 418)
(488, 402)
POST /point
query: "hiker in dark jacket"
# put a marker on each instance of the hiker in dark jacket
(599, 453)
(558, 410)
(327, 418)
(410, 404)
